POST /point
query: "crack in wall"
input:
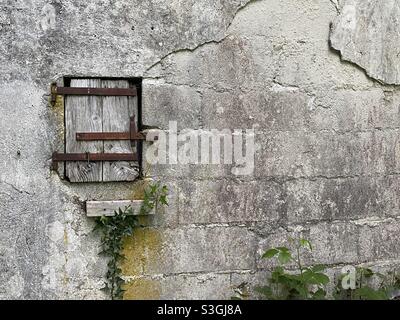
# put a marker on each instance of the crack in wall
(181, 51)
(335, 5)
(205, 43)
(16, 189)
(354, 64)
(369, 46)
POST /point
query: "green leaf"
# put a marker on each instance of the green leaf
(306, 244)
(302, 291)
(266, 291)
(270, 253)
(320, 294)
(315, 278)
(367, 293)
(318, 268)
(284, 257)
(321, 278)
(368, 273)
(103, 219)
(365, 272)
(163, 200)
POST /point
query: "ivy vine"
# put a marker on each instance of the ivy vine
(114, 229)
(155, 196)
(122, 224)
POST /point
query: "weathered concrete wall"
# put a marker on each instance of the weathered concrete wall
(327, 164)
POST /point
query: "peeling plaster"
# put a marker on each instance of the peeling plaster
(366, 33)
(212, 41)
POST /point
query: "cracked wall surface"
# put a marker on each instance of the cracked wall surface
(327, 163)
(367, 34)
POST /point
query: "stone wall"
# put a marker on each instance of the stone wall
(317, 81)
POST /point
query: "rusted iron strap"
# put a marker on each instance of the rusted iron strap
(131, 135)
(94, 91)
(94, 136)
(57, 157)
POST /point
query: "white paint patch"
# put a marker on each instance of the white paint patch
(55, 231)
(48, 20)
(280, 88)
(16, 286)
(349, 17)
(50, 273)
(311, 104)
(4, 18)
(373, 221)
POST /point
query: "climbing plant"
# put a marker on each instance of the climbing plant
(155, 196)
(114, 229)
(120, 225)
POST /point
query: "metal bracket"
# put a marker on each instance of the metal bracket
(132, 135)
(89, 157)
(75, 91)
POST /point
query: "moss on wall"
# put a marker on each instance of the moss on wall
(141, 252)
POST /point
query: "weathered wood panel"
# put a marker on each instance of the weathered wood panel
(107, 208)
(117, 111)
(100, 114)
(83, 114)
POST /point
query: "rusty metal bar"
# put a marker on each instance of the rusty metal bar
(134, 134)
(131, 135)
(93, 136)
(58, 157)
(94, 91)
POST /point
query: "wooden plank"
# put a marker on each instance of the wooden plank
(107, 208)
(83, 114)
(116, 116)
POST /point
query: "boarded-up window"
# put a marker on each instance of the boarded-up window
(94, 113)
